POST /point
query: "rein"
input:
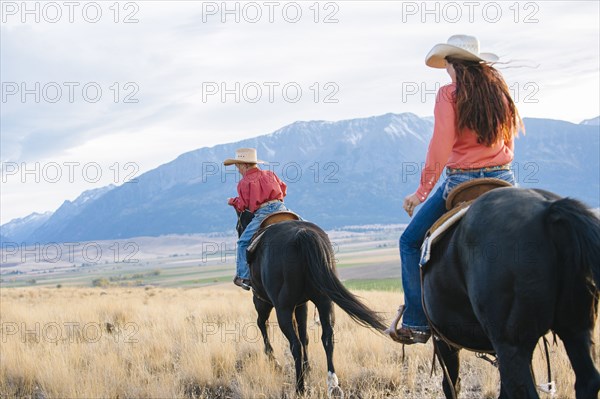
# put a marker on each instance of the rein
(255, 293)
(484, 356)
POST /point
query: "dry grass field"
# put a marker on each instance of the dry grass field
(203, 343)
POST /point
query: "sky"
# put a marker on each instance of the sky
(95, 93)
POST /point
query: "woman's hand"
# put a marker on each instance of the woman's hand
(410, 203)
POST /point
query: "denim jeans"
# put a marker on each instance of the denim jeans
(242, 268)
(412, 239)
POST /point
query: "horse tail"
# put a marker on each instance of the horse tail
(317, 252)
(575, 230)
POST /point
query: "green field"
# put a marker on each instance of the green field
(384, 284)
(366, 260)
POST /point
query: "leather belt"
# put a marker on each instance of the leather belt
(268, 203)
(484, 169)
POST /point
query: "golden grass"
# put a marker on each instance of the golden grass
(204, 343)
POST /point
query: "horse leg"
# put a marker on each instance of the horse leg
(264, 311)
(286, 324)
(587, 379)
(516, 379)
(451, 359)
(301, 314)
(325, 308)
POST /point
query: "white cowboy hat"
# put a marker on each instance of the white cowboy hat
(243, 155)
(460, 46)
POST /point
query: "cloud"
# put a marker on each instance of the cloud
(176, 48)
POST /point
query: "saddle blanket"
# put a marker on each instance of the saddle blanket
(255, 240)
(438, 233)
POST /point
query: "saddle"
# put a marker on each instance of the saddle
(472, 189)
(275, 217)
(457, 204)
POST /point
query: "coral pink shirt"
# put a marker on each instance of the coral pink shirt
(257, 187)
(448, 148)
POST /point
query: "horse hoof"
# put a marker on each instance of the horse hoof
(333, 388)
(336, 393)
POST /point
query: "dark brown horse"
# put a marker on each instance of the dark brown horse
(519, 264)
(294, 263)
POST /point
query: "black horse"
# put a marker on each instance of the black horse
(520, 263)
(293, 263)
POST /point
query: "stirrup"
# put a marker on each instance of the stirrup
(242, 282)
(408, 336)
(405, 335)
(391, 330)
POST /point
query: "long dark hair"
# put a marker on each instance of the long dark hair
(483, 102)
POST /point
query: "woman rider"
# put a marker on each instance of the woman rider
(475, 124)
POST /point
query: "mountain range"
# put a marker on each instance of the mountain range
(340, 173)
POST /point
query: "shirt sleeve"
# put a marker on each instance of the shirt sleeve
(440, 146)
(283, 186)
(241, 201)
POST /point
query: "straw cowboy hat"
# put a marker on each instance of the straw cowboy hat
(459, 46)
(243, 155)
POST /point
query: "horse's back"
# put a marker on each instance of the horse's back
(504, 237)
(511, 210)
(279, 235)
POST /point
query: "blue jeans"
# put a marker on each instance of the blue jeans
(242, 269)
(412, 239)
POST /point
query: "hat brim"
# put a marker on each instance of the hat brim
(231, 161)
(437, 56)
